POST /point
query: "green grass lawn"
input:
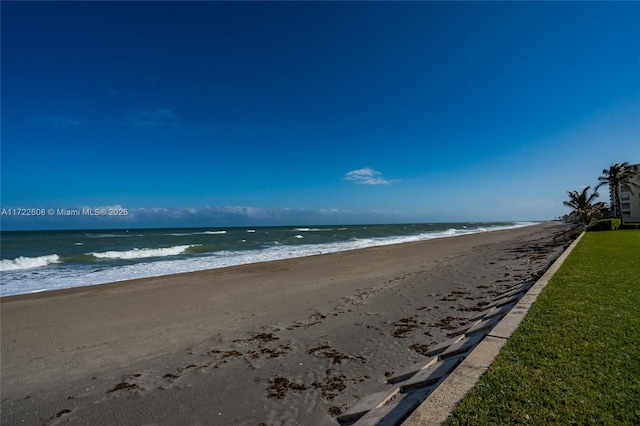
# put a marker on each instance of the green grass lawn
(575, 359)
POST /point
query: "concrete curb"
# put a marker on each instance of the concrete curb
(440, 404)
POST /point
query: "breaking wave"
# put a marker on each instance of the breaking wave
(28, 262)
(145, 252)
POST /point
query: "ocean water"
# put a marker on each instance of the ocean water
(35, 261)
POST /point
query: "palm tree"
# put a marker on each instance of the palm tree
(618, 176)
(580, 202)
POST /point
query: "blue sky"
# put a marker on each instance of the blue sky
(211, 113)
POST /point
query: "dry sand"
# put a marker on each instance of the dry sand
(278, 343)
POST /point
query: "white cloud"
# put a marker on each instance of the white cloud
(257, 216)
(151, 118)
(115, 217)
(367, 176)
(62, 123)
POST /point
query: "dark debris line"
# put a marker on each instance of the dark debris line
(411, 386)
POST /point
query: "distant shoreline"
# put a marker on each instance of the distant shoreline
(245, 227)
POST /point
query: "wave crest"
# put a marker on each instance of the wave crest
(28, 262)
(137, 253)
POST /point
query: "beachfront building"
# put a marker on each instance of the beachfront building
(629, 202)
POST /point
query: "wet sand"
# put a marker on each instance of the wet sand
(279, 343)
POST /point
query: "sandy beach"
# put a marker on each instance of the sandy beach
(292, 342)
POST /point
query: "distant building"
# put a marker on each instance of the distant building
(630, 203)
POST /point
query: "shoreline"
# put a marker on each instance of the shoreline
(280, 342)
(202, 263)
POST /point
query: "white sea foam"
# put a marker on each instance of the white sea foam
(137, 253)
(299, 236)
(186, 234)
(313, 229)
(112, 235)
(28, 262)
